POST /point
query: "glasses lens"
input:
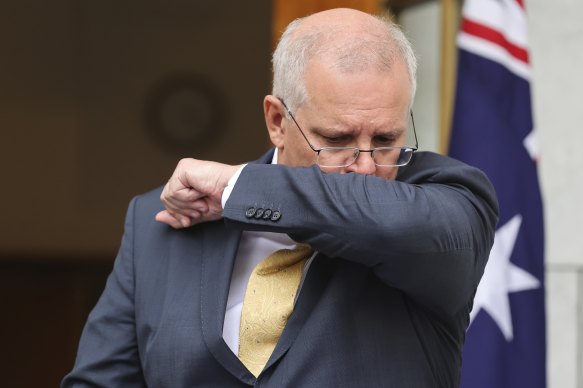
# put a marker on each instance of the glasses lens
(337, 157)
(392, 156)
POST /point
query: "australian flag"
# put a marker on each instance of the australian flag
(493, 130)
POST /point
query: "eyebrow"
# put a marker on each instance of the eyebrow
(323, 131)
(394, 133)
(331, 132)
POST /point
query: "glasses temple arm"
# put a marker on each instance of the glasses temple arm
(297, 125)
(414, 131)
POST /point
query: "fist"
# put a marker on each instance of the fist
(193, 193)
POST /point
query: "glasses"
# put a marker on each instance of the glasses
(345, 156)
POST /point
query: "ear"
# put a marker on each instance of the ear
(273, 111)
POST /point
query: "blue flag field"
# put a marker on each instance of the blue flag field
(493, 130)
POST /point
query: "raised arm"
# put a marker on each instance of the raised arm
(428, 234)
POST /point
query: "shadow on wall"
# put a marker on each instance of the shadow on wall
(98, 102)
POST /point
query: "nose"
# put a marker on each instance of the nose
(364, 164)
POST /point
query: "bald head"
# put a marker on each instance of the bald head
(345, 40)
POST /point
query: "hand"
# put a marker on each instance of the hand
(193, 193)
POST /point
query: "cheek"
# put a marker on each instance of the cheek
(302, 153)
(297, 153)
(305, 156)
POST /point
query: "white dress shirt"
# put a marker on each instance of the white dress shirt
(253, 248)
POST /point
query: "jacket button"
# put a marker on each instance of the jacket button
(259, 213)
(276, 215)
(250, 212)
(267, 214)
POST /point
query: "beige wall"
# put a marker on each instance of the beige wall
(556, 34)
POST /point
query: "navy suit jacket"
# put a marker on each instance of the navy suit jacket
(385, 302)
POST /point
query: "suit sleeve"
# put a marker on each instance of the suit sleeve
(108, 351)
(428, 233)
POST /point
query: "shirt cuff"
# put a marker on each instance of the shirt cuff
(230, 185)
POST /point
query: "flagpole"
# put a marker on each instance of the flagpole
(449, 27)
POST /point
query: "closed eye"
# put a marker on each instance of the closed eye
(337, 140)
(384, 141)
(333, 138)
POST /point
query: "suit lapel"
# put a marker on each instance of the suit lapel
(219, 250)
(312, 289)
(218, 256)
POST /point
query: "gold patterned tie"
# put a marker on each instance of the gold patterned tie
(269, 301)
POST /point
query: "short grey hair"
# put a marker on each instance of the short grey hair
(293, 54)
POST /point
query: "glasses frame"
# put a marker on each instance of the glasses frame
(371, 151)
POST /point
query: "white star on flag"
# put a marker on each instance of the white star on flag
(501, 277)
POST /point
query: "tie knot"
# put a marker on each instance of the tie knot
(284, 258)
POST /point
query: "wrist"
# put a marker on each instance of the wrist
(226, 175)
(226, 192)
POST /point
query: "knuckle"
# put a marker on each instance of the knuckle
(184, 161)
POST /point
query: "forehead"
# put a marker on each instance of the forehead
(369, 94)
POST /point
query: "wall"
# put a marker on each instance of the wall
(556, 35)
(422, 25)
(87, 89)
(80, 82)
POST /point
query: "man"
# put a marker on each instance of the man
(400, 239)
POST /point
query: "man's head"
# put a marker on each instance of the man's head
(349, 80)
